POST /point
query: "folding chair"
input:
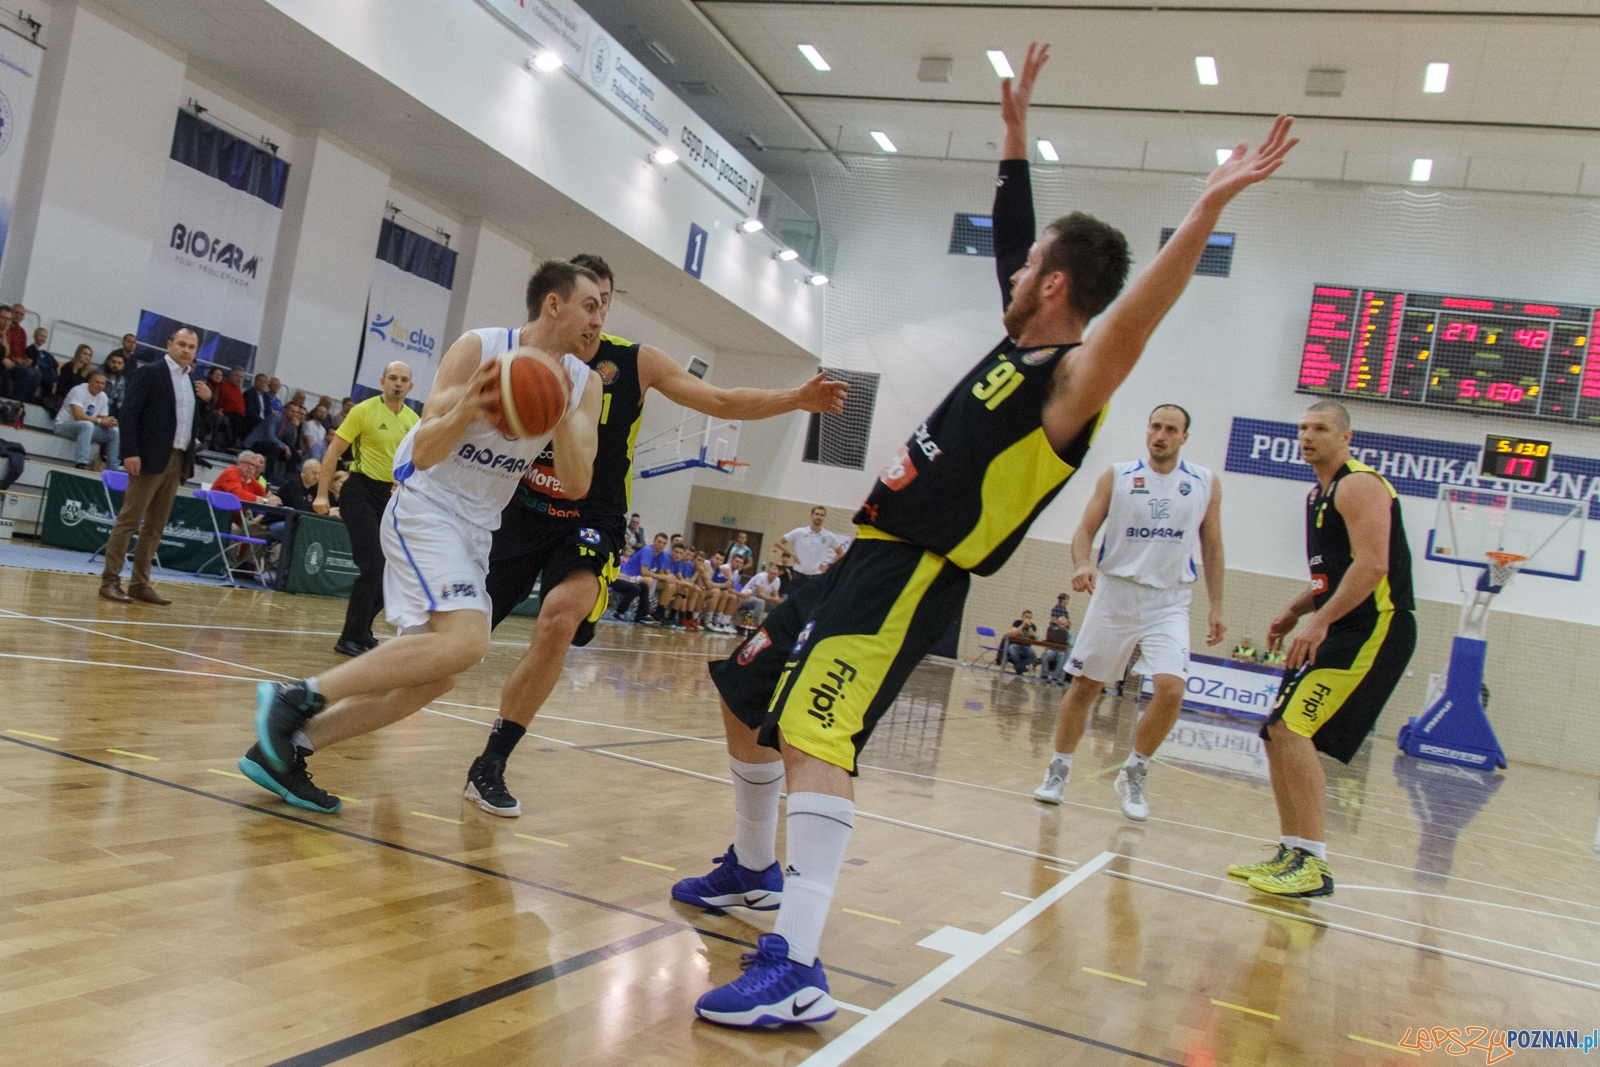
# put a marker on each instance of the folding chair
(227, 502)
(984, 631)
(116, 482)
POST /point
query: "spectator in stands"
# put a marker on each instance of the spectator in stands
(212, 429)
(257, 404)
(314, 432)
(114, 369)
(336, 418)
(49, 366)
(17, 333)
(1021, 656)
(130, 352)
(85, 419)
(278, 438)
(785, 562)
(629, 587)
(635, 532)
(335, 489)
(650, 567)
(761, 594)
(1245, 650)
(299, 493)
(19, 376)
(230, 401)
(719, 581)
(1059, 631)
(274, 387)
(244, 481)
(74, 374)
(814, 548)
(739, 553)
(159, 415)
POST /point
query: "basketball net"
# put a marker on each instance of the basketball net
(1503, 566)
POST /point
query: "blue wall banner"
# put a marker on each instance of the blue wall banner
(19, 74)
(1416, 466)
(406, 308)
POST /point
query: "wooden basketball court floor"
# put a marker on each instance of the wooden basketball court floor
(156, 908)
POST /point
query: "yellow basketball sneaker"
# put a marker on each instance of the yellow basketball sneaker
(1305, 876)
(1265, 867)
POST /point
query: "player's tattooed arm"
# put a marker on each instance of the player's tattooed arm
(576, 440)
(658, 371)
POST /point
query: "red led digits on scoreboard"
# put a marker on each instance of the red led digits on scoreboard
(1532, 338)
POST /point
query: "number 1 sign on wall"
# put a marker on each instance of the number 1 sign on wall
(695, 257)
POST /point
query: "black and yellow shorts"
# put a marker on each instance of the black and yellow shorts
(530, 547)
(1336, 700)
(831, 659)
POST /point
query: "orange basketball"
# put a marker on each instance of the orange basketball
(534, 392)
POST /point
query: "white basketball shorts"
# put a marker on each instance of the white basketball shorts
(434, 561)
(1124, 614)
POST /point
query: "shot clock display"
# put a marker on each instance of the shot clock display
(1458, 353)
(1516, 459)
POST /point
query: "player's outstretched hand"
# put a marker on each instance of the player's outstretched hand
(821, 395)
(1244, 168)
(1015, 96)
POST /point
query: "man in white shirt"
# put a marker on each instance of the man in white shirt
(85, 419)
(761, 594)
(813, 547)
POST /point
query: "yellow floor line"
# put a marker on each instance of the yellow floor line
(1014, 951)
(435, 818)
(1241, 1007)
(647, 863)
(1125, 978)
(135, 755)
(541, 840)
(41, 737)
(869, 915)
(230, 774)
(1382, 1044)
(353, 800)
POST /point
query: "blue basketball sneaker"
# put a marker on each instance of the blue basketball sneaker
(281, 709)
(730, 885)
(773, 990)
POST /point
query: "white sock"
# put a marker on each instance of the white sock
(1135, 759)
(755, 797)
(299, 740)
(819, 833)
(1318, 849)
(1289, 842)
(1063, 758)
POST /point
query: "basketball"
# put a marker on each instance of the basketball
(534, 392)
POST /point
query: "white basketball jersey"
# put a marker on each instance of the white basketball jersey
(1153, 525)
(476, 480)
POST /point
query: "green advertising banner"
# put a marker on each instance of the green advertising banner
(75, 516)
(322, 564)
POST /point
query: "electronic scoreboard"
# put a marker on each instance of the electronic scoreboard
(1454, 353)
(1515, 459)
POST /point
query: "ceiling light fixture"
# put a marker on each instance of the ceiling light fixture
(1421, 170)
(814, 57)
(785, 255)
(752, 226)
(883, 141)
(545, 62)
(1206, 68)
(1437, 78)
(1047, 152)
(1001, 65)
(817, 279)
(663, 157)
(1223, 155)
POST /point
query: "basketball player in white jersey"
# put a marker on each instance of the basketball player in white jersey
(1155, 512)
(455, 473)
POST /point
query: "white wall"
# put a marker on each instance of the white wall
(902, 307)
(492, 274)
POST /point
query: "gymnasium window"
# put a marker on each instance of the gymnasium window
(1217, 260)
(972, 235)
(841, 440)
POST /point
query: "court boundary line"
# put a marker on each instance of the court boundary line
(863, 1033)
(1357, 931)
(1060, 1033)
(406, 1025)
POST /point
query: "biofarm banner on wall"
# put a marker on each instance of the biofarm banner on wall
(215, 239)
(612, 73)
(406, 308)
(19, 71)
(1415, 466)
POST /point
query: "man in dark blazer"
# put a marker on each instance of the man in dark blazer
(159, 413)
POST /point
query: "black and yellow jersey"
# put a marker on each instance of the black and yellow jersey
(977, 473)
(611, 489)
(1329, 555)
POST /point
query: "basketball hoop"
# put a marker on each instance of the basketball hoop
(1503, 566)
(726, 464)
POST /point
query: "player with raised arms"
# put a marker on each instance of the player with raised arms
(808, 687)
(568, 537)
(1347, 659)
(456, 470)
(1156, 511)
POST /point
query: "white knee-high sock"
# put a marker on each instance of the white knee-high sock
(755, 797)
(819, 833)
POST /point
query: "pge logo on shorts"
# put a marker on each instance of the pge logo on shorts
(823, 697)
(752, 648)
(805, 635)
(589, 536)
(1077, 664)
(458, 589)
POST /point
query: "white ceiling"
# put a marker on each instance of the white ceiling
(1522, 111)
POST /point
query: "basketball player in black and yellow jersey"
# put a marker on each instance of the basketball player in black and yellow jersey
(1346, 660)
(570, 546)
(810, 685)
